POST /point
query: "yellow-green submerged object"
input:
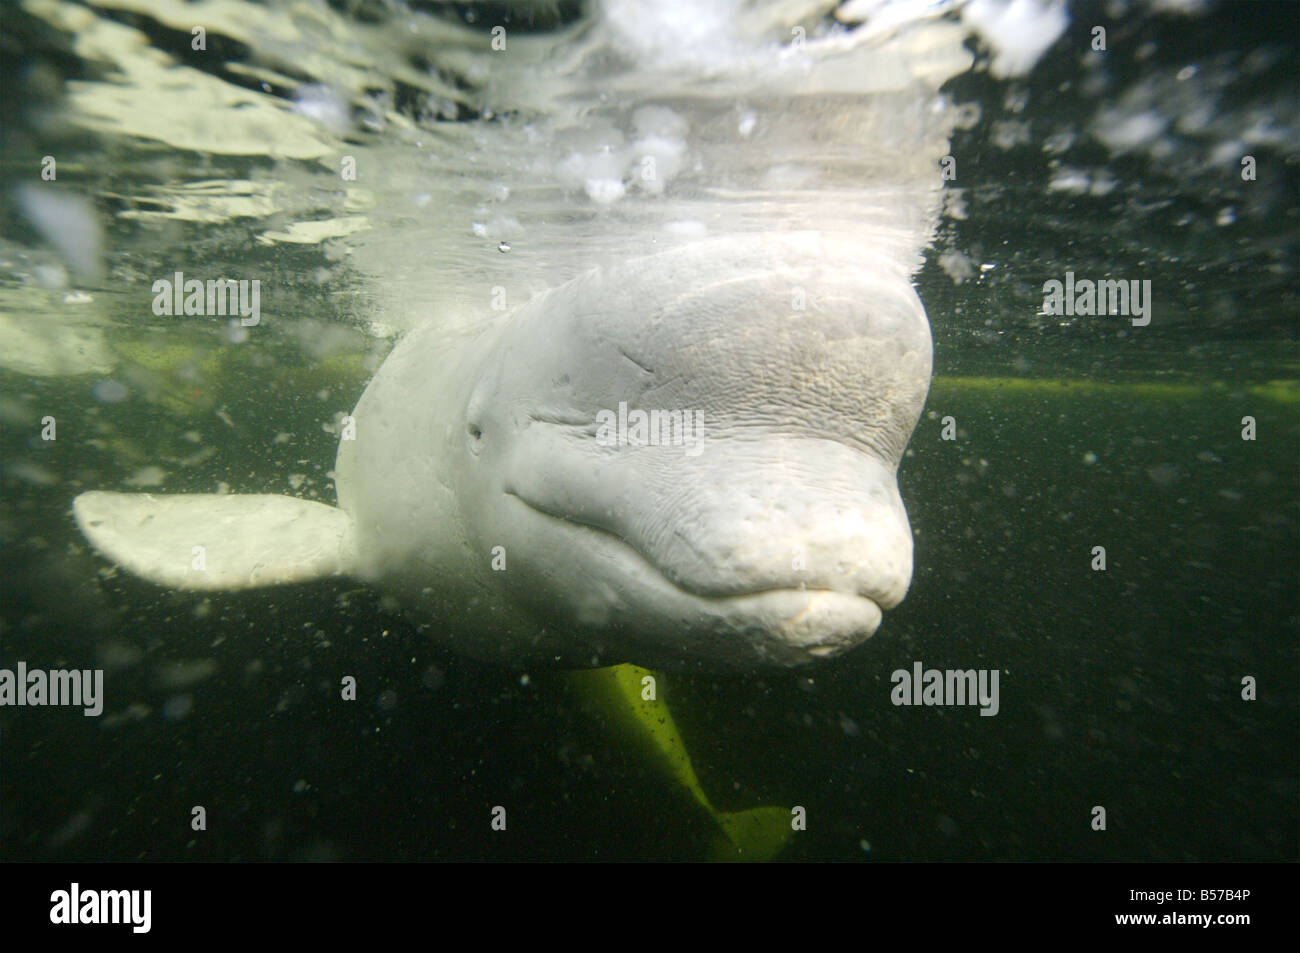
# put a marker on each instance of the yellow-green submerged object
(1278, 391)
(627, 697)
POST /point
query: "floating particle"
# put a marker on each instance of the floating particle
(177, 708)
(147, 476)
(69, 222)
(605, 191)
(322, 104)
(1164, 474)
(184, 673)
(30, 472)
(73, 828)
(109, 392)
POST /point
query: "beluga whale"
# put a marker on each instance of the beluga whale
(685, 460)
(658, 353)
(679, 448)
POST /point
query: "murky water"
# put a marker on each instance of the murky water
(1120, 688)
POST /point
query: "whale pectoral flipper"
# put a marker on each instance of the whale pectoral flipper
(211, 541)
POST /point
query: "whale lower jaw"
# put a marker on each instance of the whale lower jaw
(820, 623)
(669, 624)
(772, 628)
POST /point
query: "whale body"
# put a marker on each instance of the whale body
(502, 483)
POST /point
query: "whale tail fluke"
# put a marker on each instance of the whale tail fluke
(756, 835)
(625, 698)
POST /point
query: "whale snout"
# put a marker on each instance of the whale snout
(777, 550)
(827, 518)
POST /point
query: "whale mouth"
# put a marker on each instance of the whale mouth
(800, 622)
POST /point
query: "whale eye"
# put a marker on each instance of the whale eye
(475, 434)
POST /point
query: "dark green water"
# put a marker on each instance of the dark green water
(1119, 688)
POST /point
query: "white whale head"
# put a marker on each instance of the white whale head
(693, 457)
